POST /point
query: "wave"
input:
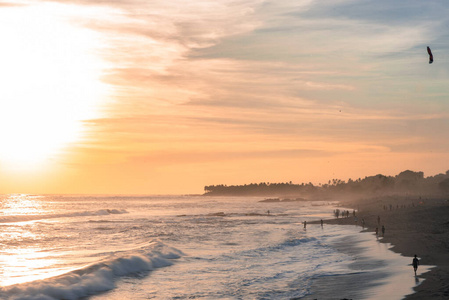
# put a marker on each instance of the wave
(96, 278)
(280, 247)
(291, 243)
(24, 218)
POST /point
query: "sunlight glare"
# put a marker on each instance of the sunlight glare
(50, 81)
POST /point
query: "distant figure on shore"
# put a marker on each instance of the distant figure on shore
(268, 213)
(363, 223)
(383, 230)
(322, 223)
(305, 224)
(377, 231)
(337, 213)
(415, 263)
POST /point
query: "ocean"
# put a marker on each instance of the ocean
(188, 247)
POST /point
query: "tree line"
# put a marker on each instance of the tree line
(409, 182)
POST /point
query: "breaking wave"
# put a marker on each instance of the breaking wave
(24, 218)
(96, 278)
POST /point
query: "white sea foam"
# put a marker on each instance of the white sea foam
(24, 218)
(95, 278)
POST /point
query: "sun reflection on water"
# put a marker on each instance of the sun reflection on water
(24, 265)
(21, 255)
(21, 205)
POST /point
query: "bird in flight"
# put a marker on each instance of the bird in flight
(430, 55)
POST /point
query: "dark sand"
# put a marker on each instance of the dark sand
(412, 226)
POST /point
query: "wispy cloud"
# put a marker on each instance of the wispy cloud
(266, 55)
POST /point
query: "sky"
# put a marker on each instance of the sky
(166, 97)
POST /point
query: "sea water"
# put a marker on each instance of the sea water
(178, 247)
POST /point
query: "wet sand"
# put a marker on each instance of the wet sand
(377, 272)
(412, 226)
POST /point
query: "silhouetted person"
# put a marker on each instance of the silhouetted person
(377, 231)
(305, 224)
(363, 223)
(322, 223)
(383, 230)
(415, 263)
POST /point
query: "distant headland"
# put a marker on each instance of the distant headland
(407, 182)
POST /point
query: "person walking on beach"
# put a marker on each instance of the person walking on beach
(305, 224)
(322, 222)
(415, 263)
(383, 230)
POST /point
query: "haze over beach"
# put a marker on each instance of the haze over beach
(137, 97)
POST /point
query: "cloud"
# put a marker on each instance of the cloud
(199, 157)
(209, 81)
(325, 86)
(10, 4)
(243, 53)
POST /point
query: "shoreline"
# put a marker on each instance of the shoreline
(412, 226)
(375, 272)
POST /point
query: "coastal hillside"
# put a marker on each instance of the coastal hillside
(407, 182)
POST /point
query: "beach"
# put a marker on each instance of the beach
(412, 226)
(177, 247)
(181, 247)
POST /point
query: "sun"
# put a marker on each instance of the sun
(50, 81)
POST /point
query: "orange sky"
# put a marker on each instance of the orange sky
(167, 97)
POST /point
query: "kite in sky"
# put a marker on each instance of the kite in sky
(430, 55)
